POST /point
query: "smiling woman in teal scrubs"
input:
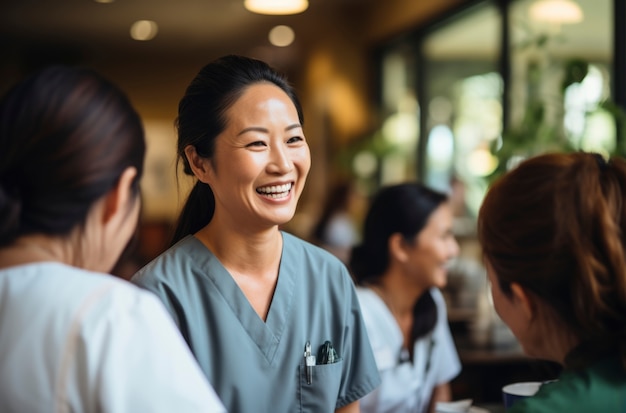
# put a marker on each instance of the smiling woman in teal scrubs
(249, 298)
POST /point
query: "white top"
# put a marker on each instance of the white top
(340, 231)
(406, 387)
(79, 341)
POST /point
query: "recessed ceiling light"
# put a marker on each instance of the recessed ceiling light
(278, 7)
(281, 36)
(104, 1)
(144, 30)
(556, 11)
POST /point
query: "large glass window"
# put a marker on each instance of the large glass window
(482, 104)
(400, 126)
(560, 79)
(463, 95)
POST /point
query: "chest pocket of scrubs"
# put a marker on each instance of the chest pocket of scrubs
(321, 395)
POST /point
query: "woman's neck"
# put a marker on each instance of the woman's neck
(398, 295)
(34, 248)
(244, 252)
(252, 260)
(548, 337)
(400, 299)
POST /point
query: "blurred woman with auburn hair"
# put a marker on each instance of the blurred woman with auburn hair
(553, 237)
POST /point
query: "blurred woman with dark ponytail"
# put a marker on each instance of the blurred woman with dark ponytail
(400, 266)
(72, 337)
(553, 232)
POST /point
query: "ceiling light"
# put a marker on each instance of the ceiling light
(144, 30)
(281, 36)
(556, 11)
(279, 7)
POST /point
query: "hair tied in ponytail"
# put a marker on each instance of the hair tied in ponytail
(603, 164)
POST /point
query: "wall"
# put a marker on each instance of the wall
(331, 67)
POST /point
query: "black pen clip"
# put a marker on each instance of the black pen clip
(327, 354)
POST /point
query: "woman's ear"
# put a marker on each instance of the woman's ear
(525, 300)
(397, 247)
(118, 198)
(200, 166)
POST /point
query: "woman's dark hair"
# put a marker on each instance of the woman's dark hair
(66, 136)
(556, 225)
(202, 117)
(399, 209)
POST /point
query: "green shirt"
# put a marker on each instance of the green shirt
(600, 388)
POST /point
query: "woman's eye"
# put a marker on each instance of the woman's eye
(295, 139)
(257, 144)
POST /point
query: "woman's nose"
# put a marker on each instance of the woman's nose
(280, 160)
(454, 248)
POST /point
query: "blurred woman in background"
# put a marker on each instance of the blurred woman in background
(336, 229)
(400, 266)
(71, 337)
(553, 235)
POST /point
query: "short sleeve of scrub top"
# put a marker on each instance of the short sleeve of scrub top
(260, 366)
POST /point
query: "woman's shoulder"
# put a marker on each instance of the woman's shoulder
(373, 308)
(113, 295)
(86, 296)
(180, 258)
(367, 297)
(322, 267)
(598, 388)
(77, 282)
(301, 247)
(438, 297)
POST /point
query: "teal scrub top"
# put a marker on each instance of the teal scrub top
(258, 366)
(600, 388)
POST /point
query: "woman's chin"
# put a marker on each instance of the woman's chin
(440, 280)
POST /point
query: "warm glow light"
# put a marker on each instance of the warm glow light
(556, 11)
(278, 7)
(481, 162)
(144, 30)
(401, 128)
(364, 164)
(281, 36)
(104, 1)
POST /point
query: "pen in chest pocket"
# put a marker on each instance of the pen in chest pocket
(327, 353)
(309, 361)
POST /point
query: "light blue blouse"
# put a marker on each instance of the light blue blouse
(258, 366)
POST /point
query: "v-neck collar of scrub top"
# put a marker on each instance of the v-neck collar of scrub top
(266, 334)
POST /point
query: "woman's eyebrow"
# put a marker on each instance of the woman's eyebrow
(294, 126)
(264, 130)
(253, 129)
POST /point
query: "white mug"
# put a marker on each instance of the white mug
(516, 391)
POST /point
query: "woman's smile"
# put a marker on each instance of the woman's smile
(276, 192)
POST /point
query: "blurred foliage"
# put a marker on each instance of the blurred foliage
(537, 132)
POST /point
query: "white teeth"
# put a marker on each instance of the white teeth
(275, 191)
